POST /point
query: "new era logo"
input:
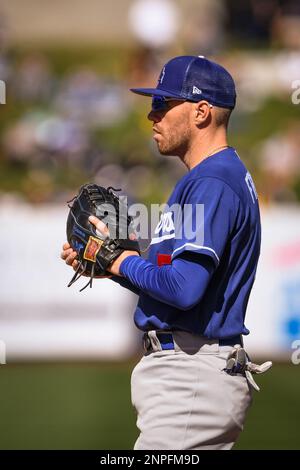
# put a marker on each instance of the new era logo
(196, 91)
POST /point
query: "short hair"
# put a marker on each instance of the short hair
(222, 116)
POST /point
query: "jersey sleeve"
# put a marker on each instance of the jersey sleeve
(209, 209)
(181, 284)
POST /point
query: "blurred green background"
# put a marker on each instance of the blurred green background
(41, 164)
(87, 406)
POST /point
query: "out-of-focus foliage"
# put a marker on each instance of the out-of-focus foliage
(69, 118)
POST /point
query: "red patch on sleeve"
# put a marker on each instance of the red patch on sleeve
(163, 259)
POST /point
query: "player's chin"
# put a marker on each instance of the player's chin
(163, 148)
(166, 152)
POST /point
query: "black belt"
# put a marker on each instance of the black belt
(166, 341)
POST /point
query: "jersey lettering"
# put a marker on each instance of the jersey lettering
(166, 224)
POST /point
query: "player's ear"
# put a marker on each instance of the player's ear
(202, 112)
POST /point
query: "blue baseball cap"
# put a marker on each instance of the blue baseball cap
(194, 78)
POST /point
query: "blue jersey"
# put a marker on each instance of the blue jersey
(222, 222)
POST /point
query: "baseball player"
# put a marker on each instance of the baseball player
(193, 386)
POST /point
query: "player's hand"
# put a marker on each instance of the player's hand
(69, 256)
(102, 229)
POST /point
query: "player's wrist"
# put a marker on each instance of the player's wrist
(115, 266)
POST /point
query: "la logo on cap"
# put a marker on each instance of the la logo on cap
(162, 75)
(196, 91)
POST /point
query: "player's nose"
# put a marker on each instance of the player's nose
(153, 116)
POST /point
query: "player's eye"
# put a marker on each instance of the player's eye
(161, 103)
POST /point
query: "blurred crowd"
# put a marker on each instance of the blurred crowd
(60, 129)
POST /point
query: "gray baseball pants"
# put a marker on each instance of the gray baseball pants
(185, 400)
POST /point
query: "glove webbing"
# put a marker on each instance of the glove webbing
(94, 195)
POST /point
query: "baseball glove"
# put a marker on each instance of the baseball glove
(95, 252)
